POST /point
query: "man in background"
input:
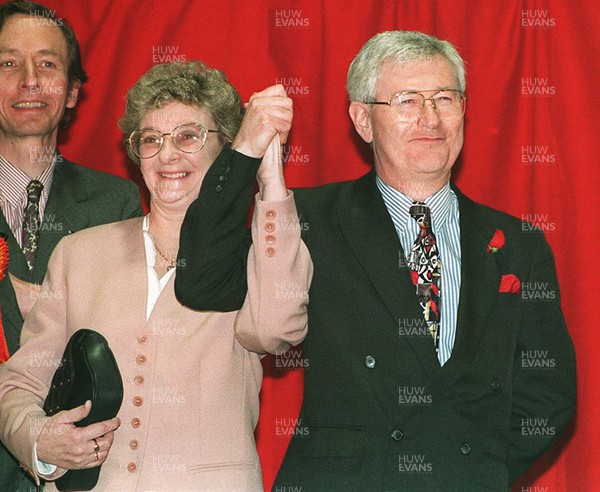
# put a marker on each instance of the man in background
(43, 196)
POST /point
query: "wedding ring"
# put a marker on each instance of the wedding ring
(96, 447)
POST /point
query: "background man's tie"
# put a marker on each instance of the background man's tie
(31, 222)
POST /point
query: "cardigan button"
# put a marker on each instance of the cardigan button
(370, 361)
(138, 401)
(141, 359)
(270, 227)
(135, 423)
(134, 444)
(271, 214)
(495, 385)
(131, 467)
(465, 448)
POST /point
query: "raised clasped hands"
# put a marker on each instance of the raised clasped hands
(268, 113)
(265, 129)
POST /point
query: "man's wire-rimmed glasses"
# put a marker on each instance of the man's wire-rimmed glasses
(449, 103)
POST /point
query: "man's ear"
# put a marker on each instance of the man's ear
(361, 117)
(73, 94)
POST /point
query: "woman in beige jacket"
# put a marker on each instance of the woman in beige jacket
(191, 390)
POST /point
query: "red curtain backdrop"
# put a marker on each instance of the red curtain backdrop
(530, 150)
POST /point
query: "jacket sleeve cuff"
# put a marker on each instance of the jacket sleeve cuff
(274, 315)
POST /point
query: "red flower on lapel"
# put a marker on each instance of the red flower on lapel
(3, 256)
(510, 284)
(496, 242)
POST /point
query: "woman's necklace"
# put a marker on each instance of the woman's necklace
(170, 263)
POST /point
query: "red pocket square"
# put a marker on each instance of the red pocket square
(510, 283)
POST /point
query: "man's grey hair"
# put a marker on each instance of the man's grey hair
(398, 47)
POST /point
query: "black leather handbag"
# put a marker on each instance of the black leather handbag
(88, 371)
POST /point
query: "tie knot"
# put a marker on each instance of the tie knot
(421, 213)
(34, 190)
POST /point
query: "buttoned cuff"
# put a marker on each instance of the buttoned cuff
(219, 176)
(276, 226)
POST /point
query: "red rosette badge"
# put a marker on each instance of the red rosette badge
(3, 256)
(4, 355)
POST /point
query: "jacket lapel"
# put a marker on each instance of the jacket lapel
(65, 213)
(370, 234)
(132, 271)
(480, 278)
(11, 315)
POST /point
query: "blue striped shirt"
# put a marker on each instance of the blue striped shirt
(446, 227)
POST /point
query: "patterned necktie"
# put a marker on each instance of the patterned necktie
(426, 270)
(31, 222)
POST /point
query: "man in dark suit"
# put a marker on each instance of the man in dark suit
(439, 357)
(43, 196)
